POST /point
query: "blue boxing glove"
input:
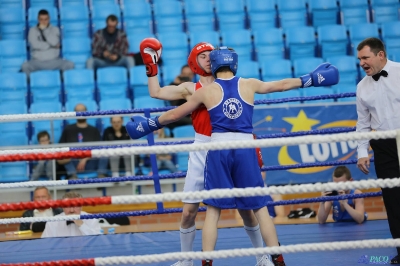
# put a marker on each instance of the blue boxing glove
(324, 75)
(140, 126)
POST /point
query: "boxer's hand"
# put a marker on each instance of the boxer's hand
(150, 50)
(363, 165)
(324, 75)
(140, 126)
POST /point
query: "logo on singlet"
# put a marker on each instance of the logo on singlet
(232, 108)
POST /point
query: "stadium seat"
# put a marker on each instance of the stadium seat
(248, 69)
(359, 32)
(354, 12)
(262, 14)
(77, 50)
(135, 39)
(317, 92)
(13, 87)
(18, 106)
(240, 40)
(45, 86)
(90, 104)
(79, 83)
(100, 12)
(232, 16)
(304, 66)
(12, 23)
(112, 82)
(169, 24)
(385, 10)
(93, 3)
(147, 102)
(40, 3)
(323, 12)
(14, 172)
(204, 36)
(198, 24)
(199, 15)
(54, 127)
(13, 134)
(345, 88)
(391, 36)
(292, 13)
(33, 15)
(138, 81)
(113, 104)
(347, 67)
(332, 40)
(269, 44)
(173, 41)
(285, 94)
(74, 21)
(183, 157)
(65, 3)
(174, 57)
(395, 57)
(12, 4)
(170, 72)
(300, 42)
(172, 9)
(282, 69)
(12, 55)
(137, 17)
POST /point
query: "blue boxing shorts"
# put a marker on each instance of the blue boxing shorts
(233, 169)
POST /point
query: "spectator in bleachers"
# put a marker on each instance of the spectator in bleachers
(75, 227)
(81, 131)
(43, 168)
(186, 75)
(44, 41)
(39, 194)
(118, 132)
(110, 47)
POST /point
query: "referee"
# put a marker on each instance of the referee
(378, 109)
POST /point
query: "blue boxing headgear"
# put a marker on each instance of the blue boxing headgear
(221, 57)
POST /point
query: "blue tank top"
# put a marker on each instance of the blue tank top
(232, 114)
(343, 216)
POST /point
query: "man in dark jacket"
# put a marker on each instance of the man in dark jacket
(40, 194)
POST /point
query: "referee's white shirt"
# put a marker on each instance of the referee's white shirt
(378, 104)
(61, 229)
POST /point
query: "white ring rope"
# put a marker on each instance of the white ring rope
(220, 254)
(35, 184)
(228, 193)
(34, 151)
(38, 116)
(56, 218)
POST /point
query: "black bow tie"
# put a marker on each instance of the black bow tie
(382, 73)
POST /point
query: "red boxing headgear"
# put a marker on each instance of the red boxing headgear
(192, 59)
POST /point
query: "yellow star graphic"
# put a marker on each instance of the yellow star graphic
(301, 122)
(268, 118)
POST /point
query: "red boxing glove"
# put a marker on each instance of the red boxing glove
(150, 50)
(259, 154)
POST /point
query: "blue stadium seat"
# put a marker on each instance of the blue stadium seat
(137, 17)
(12, 23)
(17, 106)
(230, 16)
(332, 40)
(93, 3)
(204, 36)
(324, 12)
(12, 55)
(113, 104)
(169, 24)
(248, 69)
(14, 172)
(112, 82)
(13, 134)
(359, 32)
(65, 3)
(45, 86)
(147, 102)
(240, 40)
(172, 9)
(138, 81)
(183, 157)
(198, 8)
(170, 72)
(174, 57)
(262, 14)
(395, 57)
(345, 88)
(391, 36)
(54, 128)
(347, 66)
(79, 83)
(40, 3)
(198, 24)
(285, 94)
(90, 104)
(173, 41)
(33, 15)
(282, 69)
(304, 66)
(100, 12)
(300, 42)
(268, 44)
(77, 50)
(354, 12)
(385, 10)
(74, 21)
(135, 39)
(292, 13)
(13, 87)
(317, 92)
(199, 15)
(12, 3)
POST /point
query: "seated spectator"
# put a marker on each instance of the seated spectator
(347, 210)
(39, 194)
(75, 227)
(82, 132)
(43, 168)
(118, 132)
(110, 47)
(44, 42)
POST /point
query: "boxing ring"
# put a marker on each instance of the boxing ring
(302, 244)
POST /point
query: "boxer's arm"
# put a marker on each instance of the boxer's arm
(275, 86)
(171, 92)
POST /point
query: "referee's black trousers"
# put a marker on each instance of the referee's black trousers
(387, 166)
